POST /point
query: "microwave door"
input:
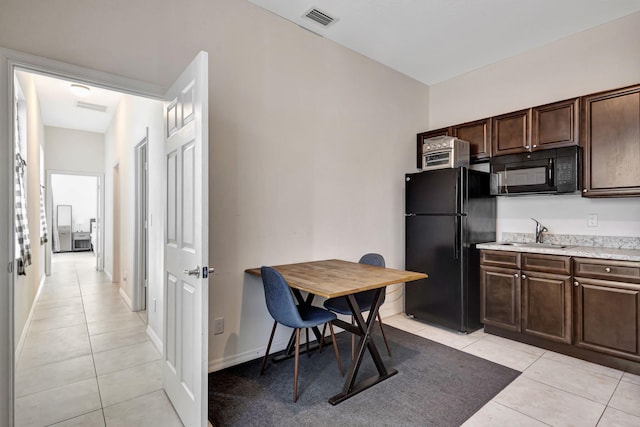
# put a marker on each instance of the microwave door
(526, 178)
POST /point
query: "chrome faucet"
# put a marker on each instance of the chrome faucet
(539, 230)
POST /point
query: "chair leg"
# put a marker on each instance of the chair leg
(324, 329)
(295, 367)
(383, 335)
(335, 349)
(306, 332)
(266, 354)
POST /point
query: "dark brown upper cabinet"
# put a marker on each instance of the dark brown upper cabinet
(555, 125)
(478, 134)
(429, 134)
(511, 132)
(611, 143)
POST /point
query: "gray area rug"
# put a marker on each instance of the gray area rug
(435, 386)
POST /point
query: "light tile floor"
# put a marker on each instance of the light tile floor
(87, 360)
(553, 389)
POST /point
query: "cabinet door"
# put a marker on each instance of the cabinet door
(611, 143)
(500, 297)
(607, 317)
(555, 125)
(546, 306)
(478, 134)
(511, 133)
(429, 134)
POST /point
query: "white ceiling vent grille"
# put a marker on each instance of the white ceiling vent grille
(320, 17)
(90, 106)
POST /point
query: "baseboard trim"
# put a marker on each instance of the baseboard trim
(236, 359)
(126, 299)
(155, 339)
(27, 324)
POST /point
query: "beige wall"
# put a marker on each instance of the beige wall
(309, 141)
(602, 58)
(26, 287)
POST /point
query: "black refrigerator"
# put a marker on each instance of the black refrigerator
(448, 211)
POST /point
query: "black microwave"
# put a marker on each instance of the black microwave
(555, 170)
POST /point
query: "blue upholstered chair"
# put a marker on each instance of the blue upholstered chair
(364, 299)
(284, 310)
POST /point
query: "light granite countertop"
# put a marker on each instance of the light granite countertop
(568, 250)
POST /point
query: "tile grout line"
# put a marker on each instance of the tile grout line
(93, 360)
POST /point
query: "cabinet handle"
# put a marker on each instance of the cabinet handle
(515, 275)
(526, 146)
(584, 191)
(534, 145)
(524, 276)
(576, 283)
(607, 269)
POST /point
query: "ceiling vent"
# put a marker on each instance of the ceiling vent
(90, 106)
(319, 17)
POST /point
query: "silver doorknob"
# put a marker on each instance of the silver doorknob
(576, 283)
(524, 276)
(206, 271)
(194, 272)
(608, 270)
(515, 275)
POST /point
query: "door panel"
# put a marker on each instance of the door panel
(186, 247)
(433, 192)
(430, 248)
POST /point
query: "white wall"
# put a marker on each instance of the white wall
(81, 192)
(74, 150)
(602, 58)
(127, 129)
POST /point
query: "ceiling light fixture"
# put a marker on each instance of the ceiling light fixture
(80, 90)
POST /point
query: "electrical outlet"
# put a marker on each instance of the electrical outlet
(592, 220)
(218, 325)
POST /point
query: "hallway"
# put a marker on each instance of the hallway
(87, 360)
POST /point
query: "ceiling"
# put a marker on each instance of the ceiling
(436, 40)
(429, 40)
(59, 106)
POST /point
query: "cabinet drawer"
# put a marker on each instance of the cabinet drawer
(547, 263)
(626, 271)
(500, 258)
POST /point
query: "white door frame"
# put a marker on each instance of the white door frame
(141, 244)
(11, 61)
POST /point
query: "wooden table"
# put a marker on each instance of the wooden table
(335, 278)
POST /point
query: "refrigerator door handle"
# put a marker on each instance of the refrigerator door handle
(456, 244)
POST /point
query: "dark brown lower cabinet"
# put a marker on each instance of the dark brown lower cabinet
(546, 306)
(584, 307)
(607, 317)
(500, 297)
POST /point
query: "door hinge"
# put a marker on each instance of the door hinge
(10, 267)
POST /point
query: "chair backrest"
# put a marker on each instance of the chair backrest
(279, 299)
(376, 260)
(372, 259)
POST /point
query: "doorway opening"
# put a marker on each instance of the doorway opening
(141, 221)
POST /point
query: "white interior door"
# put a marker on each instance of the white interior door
(186, 243)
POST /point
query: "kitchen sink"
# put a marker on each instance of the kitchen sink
(535, 245)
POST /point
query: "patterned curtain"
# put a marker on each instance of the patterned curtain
(44, 238)
(23, 247)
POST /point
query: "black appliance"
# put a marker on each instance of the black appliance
(555, 170)
(448, 211)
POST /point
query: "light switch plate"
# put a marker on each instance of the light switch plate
(218, 325)
(592, 220)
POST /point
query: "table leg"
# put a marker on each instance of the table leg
(363, 329)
